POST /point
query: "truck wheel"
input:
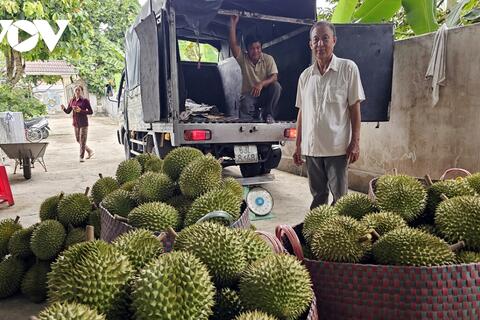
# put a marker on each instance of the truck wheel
(27, 169)
(167, 147)
(126, 146)
(251, 169)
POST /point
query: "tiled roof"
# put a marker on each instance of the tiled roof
(55, 67)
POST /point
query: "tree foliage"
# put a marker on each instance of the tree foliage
(20, 100)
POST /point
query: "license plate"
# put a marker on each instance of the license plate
(246, 154)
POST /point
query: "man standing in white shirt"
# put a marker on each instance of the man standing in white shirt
(328, 124)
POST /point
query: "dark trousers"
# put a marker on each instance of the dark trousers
(267, 101)
(327, 174)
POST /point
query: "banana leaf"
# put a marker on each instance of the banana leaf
(377, 10)
(453, 18)
(343, 11)
(473, 16)
(420, 15)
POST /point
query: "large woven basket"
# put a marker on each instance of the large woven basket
(111, 227)
(361, 291)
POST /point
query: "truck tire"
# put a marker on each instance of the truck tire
(126, 146)
(27, 169)
(251, 169)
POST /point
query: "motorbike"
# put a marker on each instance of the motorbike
(36, 129)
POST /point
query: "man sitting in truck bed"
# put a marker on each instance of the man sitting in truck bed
(260, 87)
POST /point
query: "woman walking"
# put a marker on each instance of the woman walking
(81, 108)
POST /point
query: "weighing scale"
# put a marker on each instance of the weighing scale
(259, 200)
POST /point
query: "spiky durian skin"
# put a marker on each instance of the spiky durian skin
(154, 216)
(128, 170)
(19, 243)
(176, 285)
(34, 284)
(401, 194)
(227, 304)
(200, 176)
(355, 205)
(102, 187)
(255, 247)
(459, 219)
(119, 202)
(7, 229)
(429, 228)
(278, 285)
(93, 273)
(47, 239)
(76, 235)
(49, 208)
(129, 185)
(215, 200)
(315, 218)
(73, 209)
(383, 222)
(143, 158)
(450, 188)
(69, 311)
(12, 270)
(154, 164)
(152, 186)
(178, 159)
(140, 246)
(338, 239)
(219, 247)
(474, 182)
(233, 185)
(182, 204)
(468, 257)
(412, 247)
(255, 315)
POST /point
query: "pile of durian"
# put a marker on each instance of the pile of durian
(408, 224)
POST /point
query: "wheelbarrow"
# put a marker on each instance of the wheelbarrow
(25, 155)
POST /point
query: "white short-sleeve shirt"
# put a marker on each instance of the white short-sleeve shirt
(324, 101)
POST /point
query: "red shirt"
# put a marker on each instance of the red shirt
(79, 118)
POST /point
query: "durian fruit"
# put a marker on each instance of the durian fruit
(200, 176)
(450, 188)
(215, 200)
(69, 311)
(341, 239)
(474, 182)
(140, 246)
(143, 158)
(128, 170)
(412, 247)
(154, 164)
(315, 218)
(94, 219)
(468, 257)
(178, 159)
(383, 222)
(119, 202)
(459, 219)
(19, 243)
(47, 239)
(278, 285)
(355, 205)
(255, 247)
(102, 187)
(429, 228)
(75, 235)
(227, 304)
(7, 229)
(12, 270)
(74, 209)
(49, 207)
(176, 285)
(129, 185)
(34, 284)
(154, 216)
(182, 204)
(233, 185)
(93, 273)
(153, 186)
(401, 194)
(219, 247)
(255, 315)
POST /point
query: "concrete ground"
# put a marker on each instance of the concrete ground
(65, 173)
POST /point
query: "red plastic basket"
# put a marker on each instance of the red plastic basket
(365, 292)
